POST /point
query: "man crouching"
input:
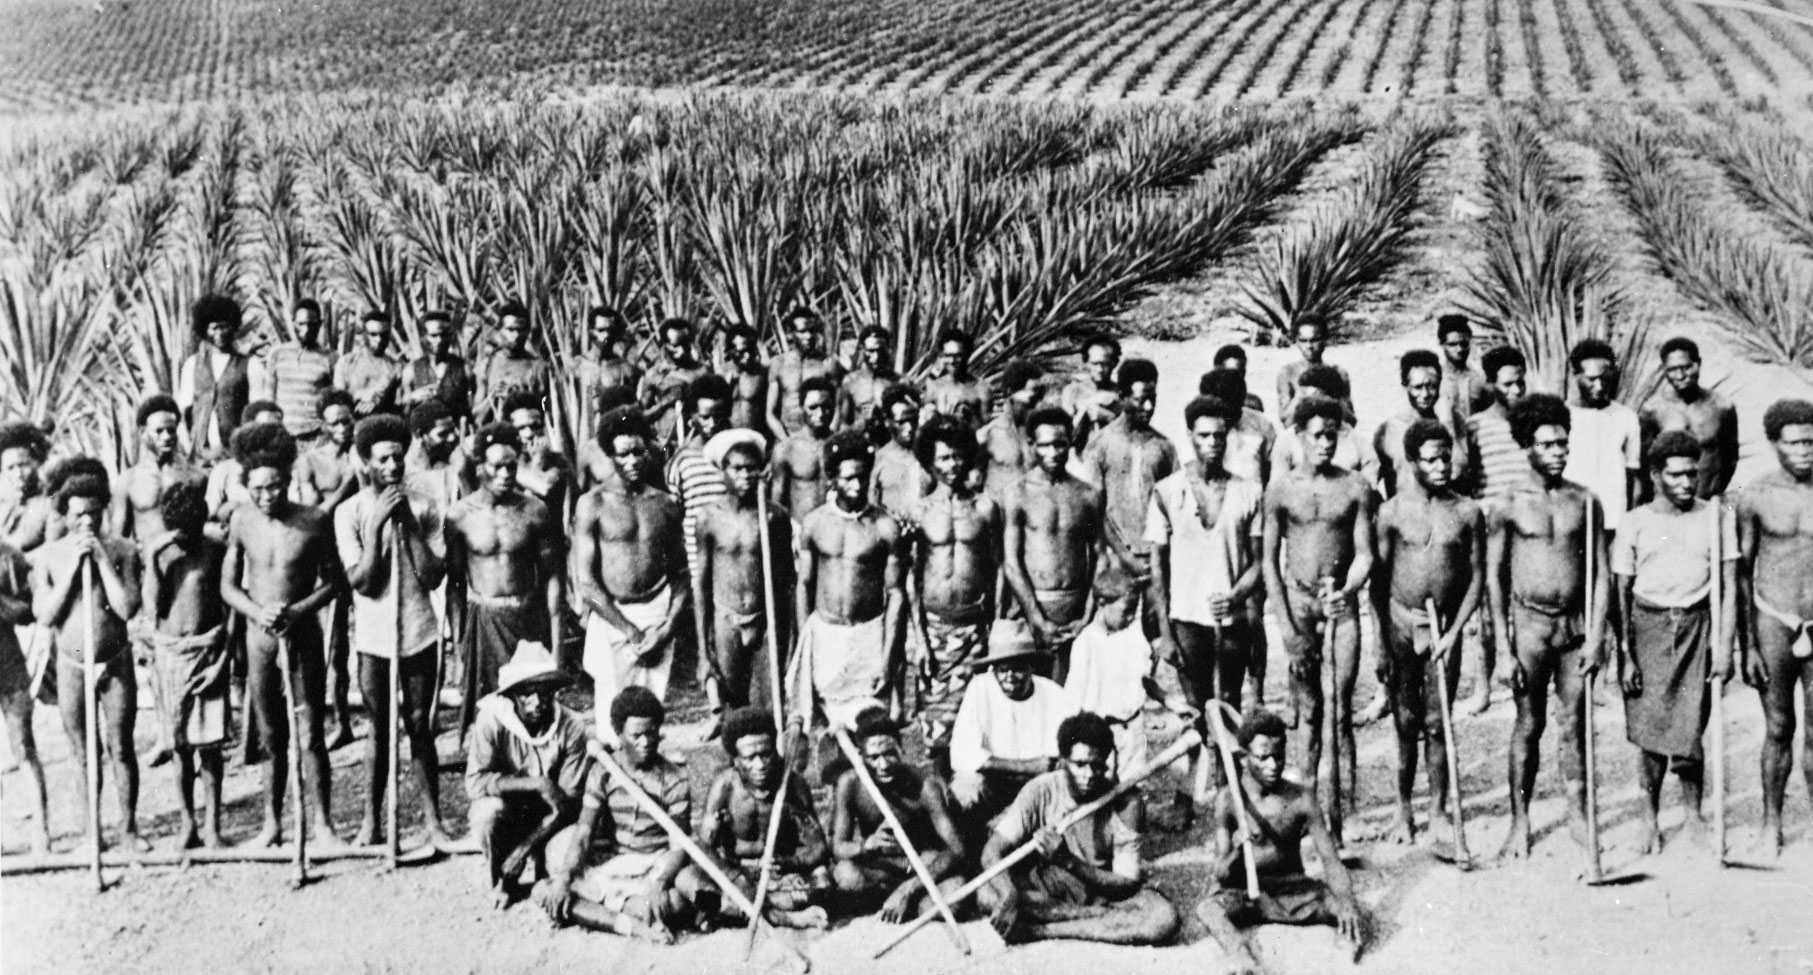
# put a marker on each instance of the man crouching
(1086, 883)
(617, 869)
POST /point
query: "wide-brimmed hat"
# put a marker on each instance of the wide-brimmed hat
(1009, 640)
(721, 444)
(530, 666)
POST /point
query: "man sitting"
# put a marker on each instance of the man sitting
(1282, 814)
(525, 763)
(1085, 883)
(735, 825)
(1005, 728)
(871, 861)
(617, 869)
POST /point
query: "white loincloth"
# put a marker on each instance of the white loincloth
(612, 668)
(843, 668)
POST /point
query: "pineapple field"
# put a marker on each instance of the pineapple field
(1180, 174)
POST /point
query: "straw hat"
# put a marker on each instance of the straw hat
(1009, 640)
(530, 666)
(720, 445)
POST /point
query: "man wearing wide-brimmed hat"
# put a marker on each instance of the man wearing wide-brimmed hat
(525, 764)
(1007, 728)
(732, 617)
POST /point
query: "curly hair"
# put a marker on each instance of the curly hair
(1421, 432)
(495, 435)
(636, 701)
(1224, 384)
(1308, 408)
(744, 723)
(1501, 357)
(424, 416)
(1100, 340)
(80, 465)
(950, 431)
(818, 384)
(1586, 350)
(184, 506)
(28, 437)
(1450, 323)
(334, 396)
(1019, 374)
(1672, 443)
(523, 399)
(895, 395)
(605, 312)
(260, 406)
(1262, 724)
(212, 308)
(874, 722)
(1680, 343)
(1049, 416)
(1136, 371)
(1417, 359)
(848, 445)
(709, 386)
(950, 335)
(1325, 378)
(91, 486)
(1534, 412)
(1784, 413)
(155, 404)
(1085, 728)
(1203, 406)
(1227, 352)
(257, 445)
(512, 309)
(624, 421)
(380, 428)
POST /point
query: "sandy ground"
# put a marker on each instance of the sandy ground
(1680, 913)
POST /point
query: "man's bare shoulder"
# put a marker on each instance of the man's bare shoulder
(1775, 488)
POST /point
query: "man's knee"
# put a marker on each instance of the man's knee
(485, 815)
(969, 789)
(848, 877)
(987, 899)
(1155, 920)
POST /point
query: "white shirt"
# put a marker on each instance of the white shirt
(990, 726)
(1204, 561)
(1107, 669)
(1602, 446)
(375, 618)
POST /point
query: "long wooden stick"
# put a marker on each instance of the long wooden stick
(1191, 738)
(28, 864)
(1717, 688)
(774, 834)
(906, 846)
(679, 837)
(1213, 717)
(91, 681)
(297, 781)
(1331, 718)
(1595, 872)
(1453, 745)
(770, 636)
(392, 845)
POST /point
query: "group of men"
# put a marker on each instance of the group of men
(848, 551)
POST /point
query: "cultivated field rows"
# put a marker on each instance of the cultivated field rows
(61, 53)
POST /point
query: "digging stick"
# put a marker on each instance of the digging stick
(1461, 855)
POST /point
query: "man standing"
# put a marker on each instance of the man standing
(799, 460)
(1431, 546)
(541, 470)
(1052, 539)
(439, 373)
(899, 482)
(214, 384)
(849, 596)
(188, 636)
(1605, 442)
(1006, 449)
(1311, 339)
(503, 566)
(1232, 358)
(1683, 404)
(525, 764)
(25, 511)
(511, 369)
(58, 601)
(1251, 444)
(696, 482)
(1127, 457)
(606, 369)
(15, 684)
(394, 616)
(1203, 527)
(631, 568)
(369, 373)
(1092, 399)
(1352, 451)
(296, 373)
(732, 574)
(1317, 556)
(666, 383)
(788, 371)
(437, 465)
(953, 391)
(956, 560)
(1463, 387)
(1775, 526)
(1005, 731)
(616, 869)
(748, 378)
(1087, 883)
(1500, 470)
(326, 475)
(872, 866)
(1663, 560)
(735, 825)
(859, 396)
(136, 505)
(1536, 552)
(1421, 374)
(281, 570)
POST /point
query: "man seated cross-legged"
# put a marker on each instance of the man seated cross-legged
(1085, 883)
(735, 825)
(872, 865)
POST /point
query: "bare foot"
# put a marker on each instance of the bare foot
(342, 737)
(1517, 845)
(811, 918)
(1441, 828)
(211, 839)
(1769, 844)
(134, 843)
(269, 836)
(436, 837)
(1652, 840)
(321, 836)
(1402, 831)
(1373, 711)
(655, 933)
(368, 833)
(502, 895)
(40, 840)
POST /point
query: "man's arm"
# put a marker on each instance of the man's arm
(122, 504)
(1629, 674)
(1269, 550)
(1361, 568)
(330, 574)
(1497, 571)
(15, 589)
(846, 833)
(122, 596)
(678, 576)
(357, 540)
(553, 572)
(1014, 544)
(1386, 547)
(1334, 872)
(1751, 664)
(893, 609)
(772, 412)
(1476, 581)
(50, 597)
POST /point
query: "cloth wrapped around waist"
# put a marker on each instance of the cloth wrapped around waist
(194, 719)
(842, 666)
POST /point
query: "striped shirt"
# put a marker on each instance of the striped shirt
(295, 379)
(623, 825)
(697, 482)
(1499, 465)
